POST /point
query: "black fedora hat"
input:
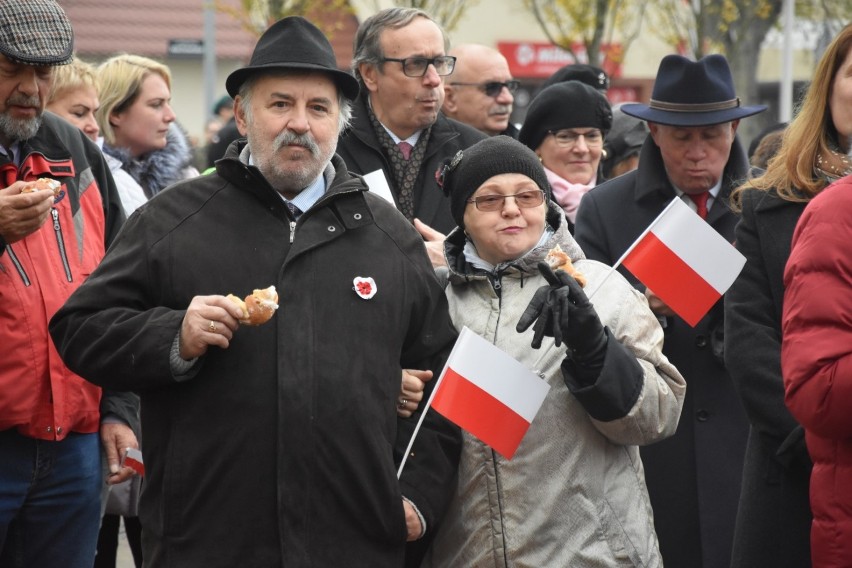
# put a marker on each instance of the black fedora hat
(293, 43)
(692, 93)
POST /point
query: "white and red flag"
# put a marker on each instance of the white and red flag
(487, 392)
(684, 261)
(133, 460)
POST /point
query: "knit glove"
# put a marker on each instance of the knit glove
(562, 311)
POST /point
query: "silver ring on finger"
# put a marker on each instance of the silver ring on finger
(402, 403)
(212, 327)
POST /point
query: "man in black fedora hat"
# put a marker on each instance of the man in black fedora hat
(51, 420)
(692, 153)
(275, 444)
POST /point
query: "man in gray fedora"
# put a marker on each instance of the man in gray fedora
(692, 153)
(275, 444)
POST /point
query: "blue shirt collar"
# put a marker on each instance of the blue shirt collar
(308, 196)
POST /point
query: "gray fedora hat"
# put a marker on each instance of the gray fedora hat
(293, 43)
(692, 93)
(35, 32)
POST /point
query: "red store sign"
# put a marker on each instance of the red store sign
(532, 60)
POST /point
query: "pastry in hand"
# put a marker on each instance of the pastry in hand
(558, 259)
(43, 183)
(258, 307)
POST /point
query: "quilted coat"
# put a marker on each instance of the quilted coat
(816, 360)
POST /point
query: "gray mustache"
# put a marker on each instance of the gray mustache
(288, 138)
(22, 100)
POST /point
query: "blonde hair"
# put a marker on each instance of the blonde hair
(73, 76)
(120, 80)
(810, 135)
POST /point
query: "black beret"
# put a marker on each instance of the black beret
(565, 105)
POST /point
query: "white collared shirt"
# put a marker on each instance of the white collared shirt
(714, 192)
(308, 196)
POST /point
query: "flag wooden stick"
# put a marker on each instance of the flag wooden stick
(425, 409)
(631, 247)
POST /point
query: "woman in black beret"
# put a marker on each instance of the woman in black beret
(565, 126)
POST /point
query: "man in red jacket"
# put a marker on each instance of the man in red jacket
(50, 469)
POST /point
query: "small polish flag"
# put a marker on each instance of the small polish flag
(133, 460)
(684, 261)
(488, 393)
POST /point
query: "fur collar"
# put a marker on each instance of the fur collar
(159, 169)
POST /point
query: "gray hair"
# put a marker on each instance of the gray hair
(344, 116)
(368, 47)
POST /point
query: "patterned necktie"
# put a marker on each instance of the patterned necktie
(405, 148)
(293, 209)
(700, 200)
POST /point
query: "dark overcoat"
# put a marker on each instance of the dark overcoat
(361, 150)
(282, 449)
(774, 518)
(694, 477)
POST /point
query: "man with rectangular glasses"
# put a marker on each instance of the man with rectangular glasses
(399, 136)
(480, 92)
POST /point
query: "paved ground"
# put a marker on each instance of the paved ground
(124, 558)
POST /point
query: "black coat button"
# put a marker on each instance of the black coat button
(701, 341)
(702, 415)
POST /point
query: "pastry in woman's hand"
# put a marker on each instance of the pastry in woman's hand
(558, 259)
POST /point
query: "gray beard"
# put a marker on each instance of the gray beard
(14, 130)
(293, 179)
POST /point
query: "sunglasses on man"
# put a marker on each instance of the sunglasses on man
(491, 88)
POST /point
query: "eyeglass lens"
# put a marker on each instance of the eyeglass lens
(494, 88)
(570, 138)
(416, 66)
(525, 199)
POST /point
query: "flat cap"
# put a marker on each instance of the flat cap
(35, 32)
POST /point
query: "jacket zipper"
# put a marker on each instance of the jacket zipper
(18, 265)
(60, 242)
(497, 285)
(320, 201)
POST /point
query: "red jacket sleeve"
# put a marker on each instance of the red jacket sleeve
(816, 353)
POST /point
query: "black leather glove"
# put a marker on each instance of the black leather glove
(562, 311)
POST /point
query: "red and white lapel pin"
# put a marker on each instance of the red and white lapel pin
(364, 287)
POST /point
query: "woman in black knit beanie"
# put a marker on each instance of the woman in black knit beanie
(611, 388)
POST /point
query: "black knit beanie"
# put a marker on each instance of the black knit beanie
(461, 175)
(565, 105)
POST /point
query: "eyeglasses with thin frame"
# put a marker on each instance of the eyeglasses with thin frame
(570, 137)
(417, 66)
(524, 200)
(492, 88)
